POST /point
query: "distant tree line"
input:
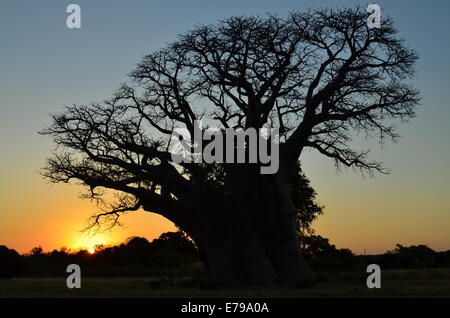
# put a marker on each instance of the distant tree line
(136, 257)
(174, 254)
(325, 256)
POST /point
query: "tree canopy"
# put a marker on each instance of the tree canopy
(317, 76)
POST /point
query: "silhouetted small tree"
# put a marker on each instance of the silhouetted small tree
(305, 201)
(36, 251)
(315, 246)
(10, 262)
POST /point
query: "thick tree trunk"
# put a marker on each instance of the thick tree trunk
(251, 238)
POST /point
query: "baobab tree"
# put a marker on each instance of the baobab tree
(318, 77)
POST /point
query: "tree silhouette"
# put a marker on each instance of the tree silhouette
(303, 195)
(318, 246)
(36, 251)
(303, 198)
(10, 262)
(317, 76)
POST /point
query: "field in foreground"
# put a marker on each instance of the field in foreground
(394, 283)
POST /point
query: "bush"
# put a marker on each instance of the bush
(10, 262)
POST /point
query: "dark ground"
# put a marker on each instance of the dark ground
(394, 283)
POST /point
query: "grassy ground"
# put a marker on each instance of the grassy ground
(394, 283)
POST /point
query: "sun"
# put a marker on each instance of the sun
(91, 244)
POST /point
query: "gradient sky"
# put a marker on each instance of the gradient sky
(44, 66)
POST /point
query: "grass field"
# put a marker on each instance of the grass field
(394, 283)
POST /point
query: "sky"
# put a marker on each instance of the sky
(45, 66)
